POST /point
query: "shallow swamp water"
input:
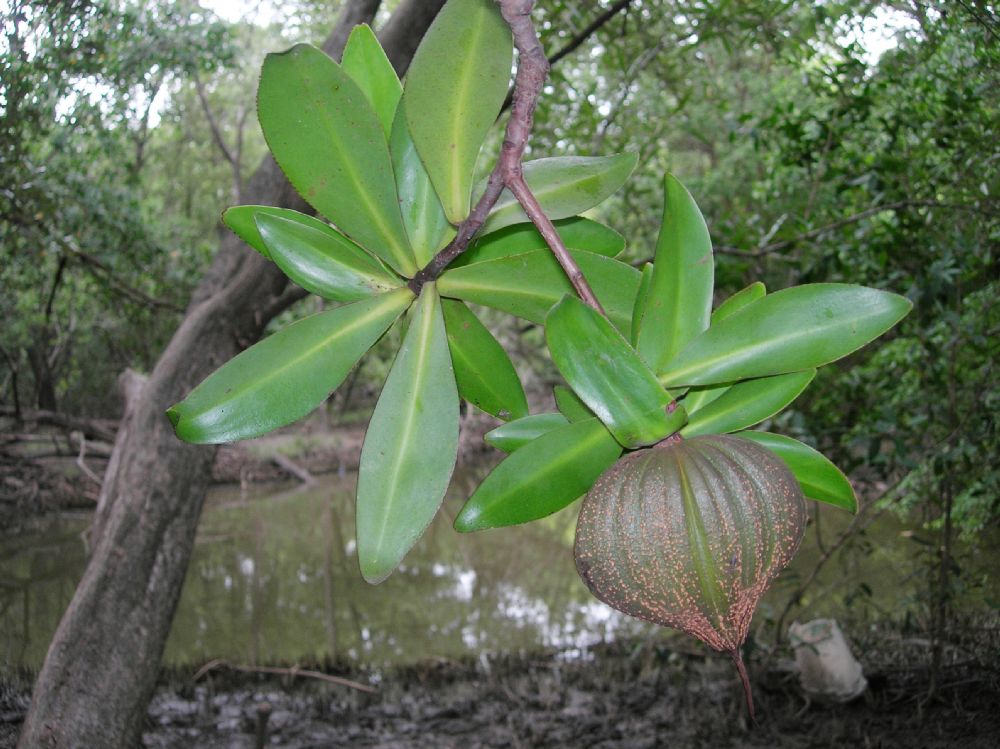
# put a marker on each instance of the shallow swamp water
(491, 639)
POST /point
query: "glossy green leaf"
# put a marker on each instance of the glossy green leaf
(747, 403)
(424, 219)
(564, 186)
(516, 434)
(454, 90)
(411, 444)
(286, 375)
(738, 301)
(319, 125)
(528, 285)
(577, 233)
(819, 478)
(323, 261)
(365, 61)
(241, 219)
(542, 478)
(608, 375)
(570, 405)
(641, 299)
(699, 397)
(678, 305)
(792, 329)
(486, 378)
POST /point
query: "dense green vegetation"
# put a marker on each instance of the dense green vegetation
(127, 127)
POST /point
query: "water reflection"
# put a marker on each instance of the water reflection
(278, 581)
(274, 578)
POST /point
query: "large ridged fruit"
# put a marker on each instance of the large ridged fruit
(690, 534)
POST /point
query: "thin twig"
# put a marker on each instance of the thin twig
(578, 39)
(519, 187)
(133, 294)
(532, 70)
(232, 158)
(859, 522)
(292, 672)
(784, 244)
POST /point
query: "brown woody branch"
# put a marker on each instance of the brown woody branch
(578, 39)
(290, 672)
(532, 70)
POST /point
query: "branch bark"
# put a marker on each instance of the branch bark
(532, 70)
(579, 38)
(101, 667)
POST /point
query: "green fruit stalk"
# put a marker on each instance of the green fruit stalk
(689, 534)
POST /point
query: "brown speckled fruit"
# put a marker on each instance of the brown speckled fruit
(690, 534)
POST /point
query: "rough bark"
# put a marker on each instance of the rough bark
(102, 664)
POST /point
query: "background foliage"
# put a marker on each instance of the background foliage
(126, 127)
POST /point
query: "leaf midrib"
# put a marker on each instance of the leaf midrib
(340, 332)
(740, 354)
(458, 117)
(354, 262)
(373, 208)
(406, 430)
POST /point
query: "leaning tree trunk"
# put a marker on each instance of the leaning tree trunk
(101, 667)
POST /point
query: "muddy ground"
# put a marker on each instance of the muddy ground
(627, 695)
(633, 696)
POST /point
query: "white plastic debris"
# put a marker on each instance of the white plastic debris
(827, 668)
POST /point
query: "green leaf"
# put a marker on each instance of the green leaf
(424, 219)
(609, 376)
(747, 403)
(641, 299)
(365, 61)
(528, 285)
(241, 219)
(790, 330)
(285, 376)
(738, 301)
(564, 186)
(411, 444)
(516, 434)
(819, 478)
(454, 90)
(319, 126)
(486, 378)
(570, 405)
(678, 305)
(543, 477)
(323, 261)
(699, 397)
(577, 233)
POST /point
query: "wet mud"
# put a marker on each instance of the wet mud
(632, 696)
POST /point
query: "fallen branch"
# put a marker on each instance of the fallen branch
(80, 462)
(292, 672)
(102, 429)
(287, 464)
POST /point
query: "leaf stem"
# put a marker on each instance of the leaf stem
(532, 70)
(741, 668)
